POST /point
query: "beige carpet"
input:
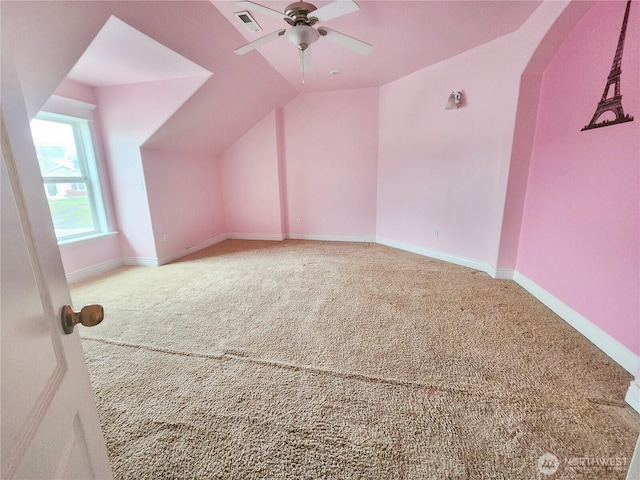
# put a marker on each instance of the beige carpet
(332, 360)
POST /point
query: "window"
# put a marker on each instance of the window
(69, 170)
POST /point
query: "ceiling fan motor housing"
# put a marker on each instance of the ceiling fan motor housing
(298, 12)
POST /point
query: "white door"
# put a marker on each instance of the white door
(49, 424)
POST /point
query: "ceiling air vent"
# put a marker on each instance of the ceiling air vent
(248, 21)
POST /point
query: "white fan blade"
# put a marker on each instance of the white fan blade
(306, 60)
(334, 9)
(261, 8)
(256, 43)
(346, 41)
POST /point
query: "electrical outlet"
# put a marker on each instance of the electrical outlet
(298, 219)
(165, 237)
(436, 232)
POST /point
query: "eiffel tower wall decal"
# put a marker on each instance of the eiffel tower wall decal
(613, 103)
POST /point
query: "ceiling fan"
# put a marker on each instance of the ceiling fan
(302, 16)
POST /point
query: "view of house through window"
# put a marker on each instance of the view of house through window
(68, 166)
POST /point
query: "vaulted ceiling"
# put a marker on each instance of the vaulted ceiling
(406, 36)
(50, 37)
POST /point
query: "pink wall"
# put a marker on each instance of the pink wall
(315, 160)
(155, 192)
(185, 199)
(251, 183)
(524, 131)
(526, 117)
(330, 156)
(449, 170)
(92, 253)
(445, 169)
(580, 232)
(129, 115)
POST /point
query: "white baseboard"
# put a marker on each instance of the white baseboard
(633, 396)
(157, 262)
(189, 250)
(447, 257)
(94, 270)
(256, 236)
(605, 342)
(634, 468)
(333, 238)
(141, 261)
(504, 273)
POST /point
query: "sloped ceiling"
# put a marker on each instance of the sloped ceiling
(50, 37)
(121, 55)
(406, 36)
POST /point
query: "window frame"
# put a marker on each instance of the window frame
(90, 174)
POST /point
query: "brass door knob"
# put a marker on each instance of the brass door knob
(88, 316)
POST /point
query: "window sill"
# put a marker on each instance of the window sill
(89, 238)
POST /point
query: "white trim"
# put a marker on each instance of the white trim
(333, 238)
(634, 467)
(447, 257)
(605, 342)
(504, 273)
(69, 106)
(141, 261)
(157, 262)
(79, 240)
(633, 396)
(189, 250)
(94, 270)
(256, 236)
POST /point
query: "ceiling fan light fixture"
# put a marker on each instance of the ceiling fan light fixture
(302, 36)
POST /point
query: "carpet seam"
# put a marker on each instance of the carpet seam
(279, 364)
(323, 371)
